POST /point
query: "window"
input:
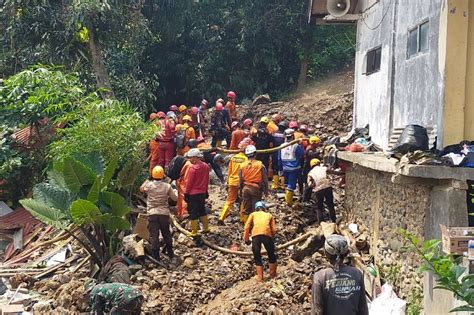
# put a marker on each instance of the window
(418, 39)
(373, 59)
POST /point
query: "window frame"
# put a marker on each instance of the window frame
(374, 50)
(418, 50)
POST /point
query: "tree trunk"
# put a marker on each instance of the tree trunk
(98, 65)
(304, 66)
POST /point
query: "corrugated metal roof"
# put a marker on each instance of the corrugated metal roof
(28, 136)
(17, 219)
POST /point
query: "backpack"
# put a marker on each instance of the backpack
(180, 138)
(173, 170)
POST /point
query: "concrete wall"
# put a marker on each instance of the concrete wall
(469, 113)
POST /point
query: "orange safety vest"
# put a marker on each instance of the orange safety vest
(252, 172)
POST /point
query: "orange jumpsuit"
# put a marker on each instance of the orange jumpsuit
(237, 136)
(230, 106)
(189, 134)
(181, 205)
(154, 149)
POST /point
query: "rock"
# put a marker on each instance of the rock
(261, 99)
(43, 307)
(309, 247)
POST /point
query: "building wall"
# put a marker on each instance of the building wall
(404, 91)
(418, 80)
(372, 92)
(469, 113)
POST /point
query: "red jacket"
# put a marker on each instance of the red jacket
(197, 179)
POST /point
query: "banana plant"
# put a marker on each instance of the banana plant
(76, 194)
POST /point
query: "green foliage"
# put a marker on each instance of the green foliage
(448, 272)
(414, 302)
(111, 128)
(39, 92)
(76, 193)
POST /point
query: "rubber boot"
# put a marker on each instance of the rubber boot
(275, 182)
(282, 182)
(273, 270)
(259, 271)
(289, 197)
(243, 217)
(225, 213)
(194, 228)
(205, 224)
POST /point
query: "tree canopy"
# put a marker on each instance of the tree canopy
(155, 53)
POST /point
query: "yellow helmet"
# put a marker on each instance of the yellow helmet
(314, 140)
(182, 108)
(158, 172)
(314, 162)
(264, 120)
(187, 118)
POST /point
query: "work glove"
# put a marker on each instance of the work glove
(248, 242)
(186, 197)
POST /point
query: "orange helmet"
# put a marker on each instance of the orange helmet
(187, 118)
(182, 108)
(153, 116)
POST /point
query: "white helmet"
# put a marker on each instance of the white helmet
(250, 150)
(289, 132)
(194, 152)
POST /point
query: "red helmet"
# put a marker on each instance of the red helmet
(194, 110)
(204, 102)
(234, 123)
(304, 127)
(161, 115)
(219, 107)
(276, 118)
(245, 142)
(231, 95)
(248, 122)
(173, 108)
(293, 124)
(153, 116)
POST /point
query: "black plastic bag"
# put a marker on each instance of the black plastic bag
(413, 137)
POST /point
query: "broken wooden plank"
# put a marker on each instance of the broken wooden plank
(59, 266)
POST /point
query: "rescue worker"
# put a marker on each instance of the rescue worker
(203, 118)
(182, 111)
(238, 134)
(302, 134)
(338, 289)
(158, 192)
(278, 139)
(219, 126)
(319, 188)
(196, 191)
(261, 226)
(230, 106)
(210, 155)
(181, 182)
(290, 161)
(113, 298)
(233, 169)
(273, 124)
(311, 152)
(184, 133)
(165, 140)
(253, 183)
(263, 141)
(154, 151)
(174, 109)
(248, 127)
